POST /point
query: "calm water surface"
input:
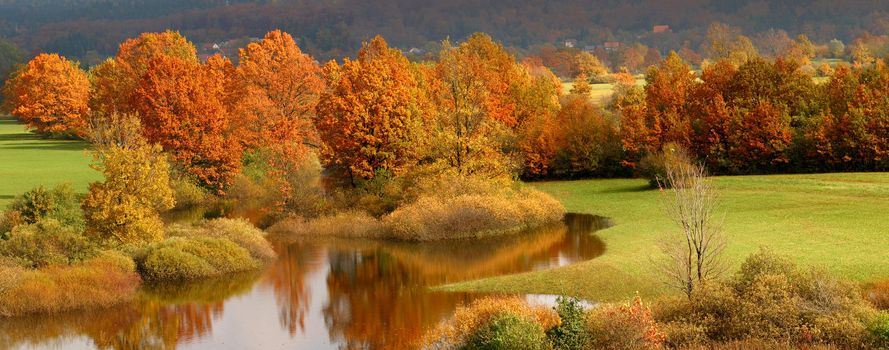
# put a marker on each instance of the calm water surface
(330, 294)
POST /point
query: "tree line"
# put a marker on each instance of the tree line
(476, 110)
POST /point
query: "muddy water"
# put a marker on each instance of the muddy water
(331, 294)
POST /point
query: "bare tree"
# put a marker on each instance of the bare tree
(693, 253)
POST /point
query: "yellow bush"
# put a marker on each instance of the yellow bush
(179, 258)
(454, 332)
(238, 231)
(124, 208)
(462, 216)
(351, 224)
(107, 279)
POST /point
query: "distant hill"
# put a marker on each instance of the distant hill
(93, 28)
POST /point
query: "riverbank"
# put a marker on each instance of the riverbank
(833, 222)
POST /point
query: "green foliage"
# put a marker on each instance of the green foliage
(46, 242)
(571, 333)
(878, 328)
(181, 258)
(59, 203)
(507, 331)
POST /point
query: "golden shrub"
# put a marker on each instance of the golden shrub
(350, 224)
(470, 215)
(452, 333)
(105, 280)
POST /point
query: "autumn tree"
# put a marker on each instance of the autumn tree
(116, 80)
(50, 94)
(581, 86)
(664, 116)
(369, 119)
(281, 88)
(589, 65)
(537, 104)
(125, 207)
(474, 115)
(181, 105)
(726, 42)
(589, 140)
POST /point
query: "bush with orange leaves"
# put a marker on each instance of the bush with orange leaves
(629, 326)
(468, 320)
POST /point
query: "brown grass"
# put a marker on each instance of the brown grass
(469, 216)
(108, 279)
(351, 224)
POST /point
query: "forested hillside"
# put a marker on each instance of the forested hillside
(331, 29)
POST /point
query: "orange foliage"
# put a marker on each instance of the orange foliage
(281, 87)
(50, 94)
(369, 120)
(181, 104)
(116, 80)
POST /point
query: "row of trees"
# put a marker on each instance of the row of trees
(474, 111)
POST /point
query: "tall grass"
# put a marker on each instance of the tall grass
(105, 280)
(471, 215)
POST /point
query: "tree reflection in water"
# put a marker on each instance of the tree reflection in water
(364, 294)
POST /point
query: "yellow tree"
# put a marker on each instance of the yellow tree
(370, 117)
(474, 113)
(125, 207)
(50, 94)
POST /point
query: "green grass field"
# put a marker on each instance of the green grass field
(834, 222)
(26, 161)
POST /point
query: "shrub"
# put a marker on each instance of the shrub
(59, 203)
(571, 333)
(45, 243)
(624, 327)
(653, 166)
(770, 298)
(457, 331)
(437, 217)
(107, 279)
(179, 258)
(351, 224)
(238, 231)
(506, 331)
(187, 193)
(683, 334)
(878, 329)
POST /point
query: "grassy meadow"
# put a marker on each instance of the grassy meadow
(833, 222)
(29, 160)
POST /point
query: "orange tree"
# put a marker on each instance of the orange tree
(181, 104)
(369, 119)
(281, 86)
(50, 94)
(116, 80)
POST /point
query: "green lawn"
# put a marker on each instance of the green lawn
(834, 222)
(26, 161)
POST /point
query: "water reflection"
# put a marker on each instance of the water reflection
(332, 294)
